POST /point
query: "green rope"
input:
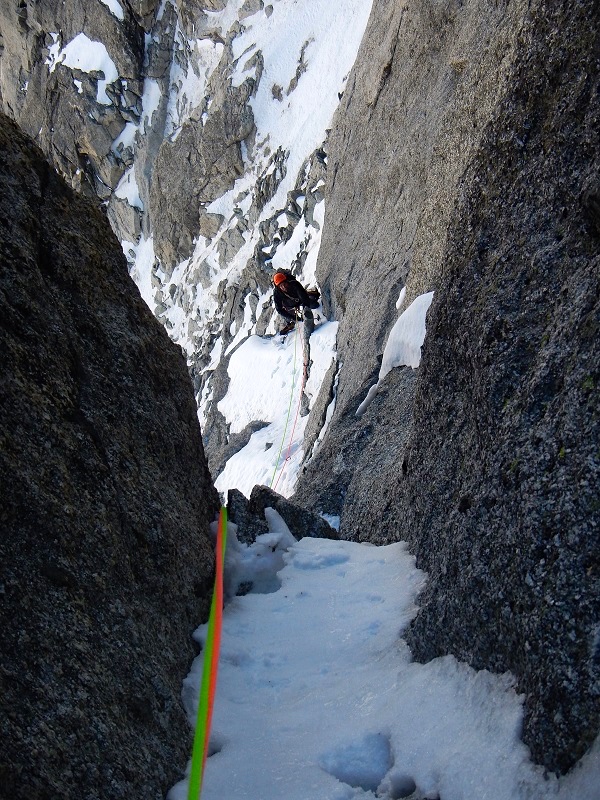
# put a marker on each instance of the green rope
(209, 667)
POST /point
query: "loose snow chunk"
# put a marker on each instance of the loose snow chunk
(88, 56)
(322, 352)
(278, 528)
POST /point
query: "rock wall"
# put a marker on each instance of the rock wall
(464, 159)
(61, 105)
(106, 503)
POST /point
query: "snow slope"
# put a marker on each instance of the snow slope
(318, 698)
(266, 384)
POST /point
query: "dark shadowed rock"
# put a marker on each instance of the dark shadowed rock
(249, 526)
(105, 557)
(500, 494)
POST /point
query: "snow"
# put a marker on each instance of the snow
(126, 137)
(299, 31)
(188, 87)
(53, 52)
(318, 697)
(403, 346)
(265, 384)
(150, 102)
(142, 269)
(115, 8)
(127, 189)
(87, 56)
(406, 338)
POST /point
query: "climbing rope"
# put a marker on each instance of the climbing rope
(210, 666)
(287, 457)
(288, 412)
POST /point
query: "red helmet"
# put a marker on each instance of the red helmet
(279, 277)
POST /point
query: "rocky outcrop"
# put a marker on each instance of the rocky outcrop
(249, 515)
(213, 158)
(106, 502)
(70, 102)
(464, 159)
(425, 84)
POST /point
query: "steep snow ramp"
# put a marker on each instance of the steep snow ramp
(265, 386)
(307, 50)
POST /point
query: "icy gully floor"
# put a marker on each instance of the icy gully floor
(318, 699)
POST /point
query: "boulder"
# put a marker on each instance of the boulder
(299, 520)
(249, 526)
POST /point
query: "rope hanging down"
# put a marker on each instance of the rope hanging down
(210, 666)
(304, 376)
(288, 412)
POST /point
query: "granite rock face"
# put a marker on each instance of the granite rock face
(426, 82)
(106, 561)
(508, 407)
(469, 165)
(62, 107)
(213, 158)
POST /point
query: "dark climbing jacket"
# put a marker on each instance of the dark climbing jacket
(290, 296)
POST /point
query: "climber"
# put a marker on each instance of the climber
(290, 297)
